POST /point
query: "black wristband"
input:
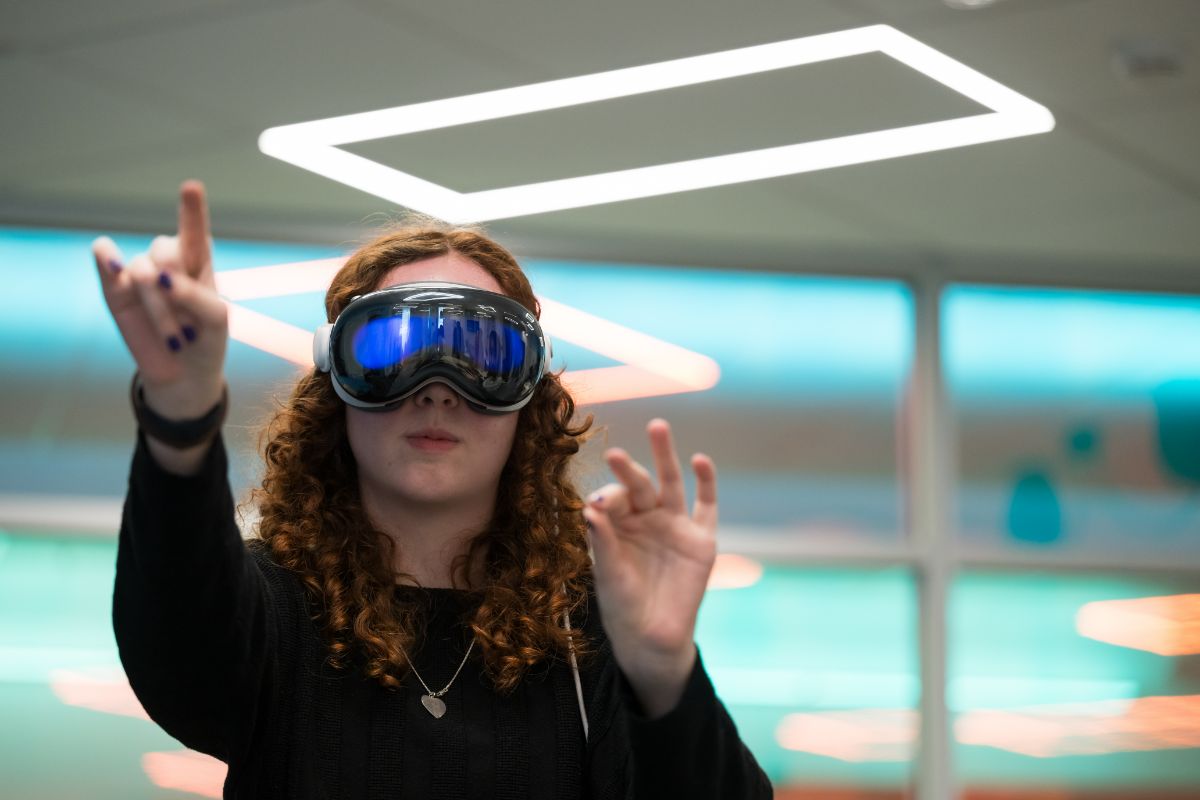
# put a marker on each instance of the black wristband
(177, 433)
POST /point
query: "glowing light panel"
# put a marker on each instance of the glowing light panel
(1168, 626)
(186, 771)
(1041, 731)
(314, 145)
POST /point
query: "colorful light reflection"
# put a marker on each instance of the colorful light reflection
(1167, 625)
(1041, 731)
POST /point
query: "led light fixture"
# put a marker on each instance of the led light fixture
(315, 145)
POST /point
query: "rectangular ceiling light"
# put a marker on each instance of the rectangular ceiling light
(315, 145)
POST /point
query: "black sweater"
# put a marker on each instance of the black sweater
(219, 644)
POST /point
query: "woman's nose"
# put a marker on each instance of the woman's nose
(436, 394)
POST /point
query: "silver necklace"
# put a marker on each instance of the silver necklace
(433, 700)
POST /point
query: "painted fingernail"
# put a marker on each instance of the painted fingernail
(115, 266)
(189, 333)
(164, 280)
(174, 343)
(597, 498)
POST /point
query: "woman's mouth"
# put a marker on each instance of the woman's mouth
(432, 440)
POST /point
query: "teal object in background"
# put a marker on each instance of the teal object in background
(1077, 415)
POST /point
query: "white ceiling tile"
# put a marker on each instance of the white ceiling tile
(996, 195)
(1167, 135)
(56, 121)
(575, 37)
(1060, 54)
(48, 23)
(291, 64)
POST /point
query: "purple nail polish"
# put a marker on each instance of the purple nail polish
(164, 280)
(115, 266)
(598, 499)
(174, 343)
(189, 333)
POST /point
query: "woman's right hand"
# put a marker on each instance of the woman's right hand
(166, 306)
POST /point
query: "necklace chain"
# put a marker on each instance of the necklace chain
(445, 688)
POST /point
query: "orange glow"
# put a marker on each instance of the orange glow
(1111, 726)
(186, 771)
(690, 371)
(858, 735)
(734, 572)
(650, 367)
(1042, 731)
(277, 280)
(1168, 626)
(270, 335)
(105, 690)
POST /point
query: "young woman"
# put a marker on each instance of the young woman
(418, 613)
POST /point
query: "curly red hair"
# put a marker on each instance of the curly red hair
(534, 551)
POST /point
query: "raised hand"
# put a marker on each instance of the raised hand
(167, 309)
(653, 560)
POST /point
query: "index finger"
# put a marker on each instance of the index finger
(193, 228)
(670, 476)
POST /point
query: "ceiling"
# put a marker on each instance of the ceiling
(108, 106)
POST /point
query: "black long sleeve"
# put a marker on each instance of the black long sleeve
(193, 615)
(220, 646)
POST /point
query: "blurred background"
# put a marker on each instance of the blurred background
(954, 397)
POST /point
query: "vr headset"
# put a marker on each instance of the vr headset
(387, 345)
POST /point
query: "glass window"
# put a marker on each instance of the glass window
(1078, 420)
(818, 668)
(1075, 685)
(803, 419)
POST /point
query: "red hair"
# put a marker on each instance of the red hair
(534, 551)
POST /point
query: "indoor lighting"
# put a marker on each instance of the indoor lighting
(315, 145)
(186, 771)
(1168, 625)
(732, 571)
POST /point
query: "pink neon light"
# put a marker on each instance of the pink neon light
(732, 571)
(186, 771)
(277, 280)
(270, 335)
(1111, 726)
(673, 363)
(857, 736)
(650, 368)
(105, 690)
(1167, 625)
(1041, 731)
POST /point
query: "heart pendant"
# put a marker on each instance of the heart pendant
(433, 705)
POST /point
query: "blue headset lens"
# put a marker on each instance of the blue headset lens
(386, 343)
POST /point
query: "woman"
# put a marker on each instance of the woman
(418, 615)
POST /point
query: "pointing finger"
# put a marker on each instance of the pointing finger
(194, 248)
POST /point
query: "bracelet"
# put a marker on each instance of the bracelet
(177, 433)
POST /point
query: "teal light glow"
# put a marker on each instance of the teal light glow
(777, 337)
(1024, 343)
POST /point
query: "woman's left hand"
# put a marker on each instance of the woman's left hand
(653, 560)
